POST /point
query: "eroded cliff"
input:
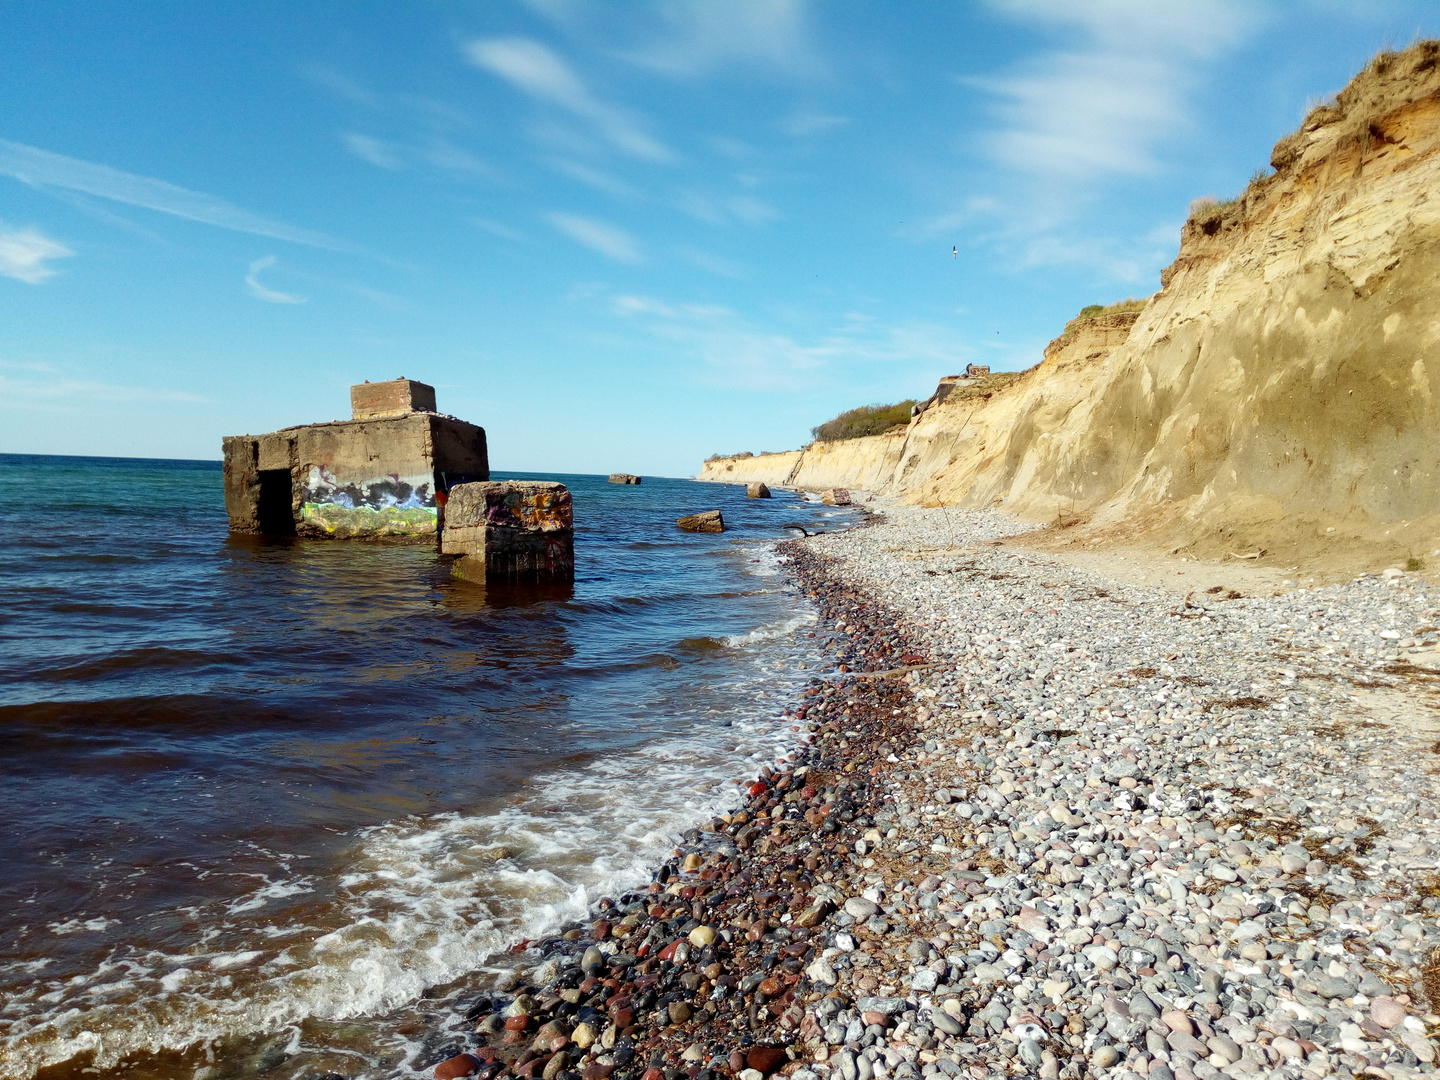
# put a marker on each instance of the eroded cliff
(1279, 391)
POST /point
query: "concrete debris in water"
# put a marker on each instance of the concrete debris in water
(511, 529)
(709, 521)
(624, 478)
(757, 490)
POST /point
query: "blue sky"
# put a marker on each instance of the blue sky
(618, 236)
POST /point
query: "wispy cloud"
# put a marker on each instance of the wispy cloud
(41, 168)
(540, 72)
(498, 229)
(715, 264)
(437, 153)
(260, 292)
(1065, 122)
(811, 122)
(600, 181)
(726, 210)
(378, 152)
(609, 240)
(26, 253)
(698, 37)
(1100, 106)
(37, 394)
(733, 352)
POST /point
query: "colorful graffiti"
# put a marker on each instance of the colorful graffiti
(341, 522)
(390, 492)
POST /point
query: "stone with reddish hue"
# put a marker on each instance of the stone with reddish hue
(457, 1066)
(1176, 1020)
(766, 1059)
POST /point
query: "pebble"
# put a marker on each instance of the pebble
(1170, 843)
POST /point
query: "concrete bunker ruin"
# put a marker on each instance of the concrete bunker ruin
(384, 473)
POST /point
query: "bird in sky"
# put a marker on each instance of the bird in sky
(954, 252)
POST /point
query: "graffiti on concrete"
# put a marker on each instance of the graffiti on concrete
(378, 493)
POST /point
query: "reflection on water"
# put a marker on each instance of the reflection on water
(273, 793)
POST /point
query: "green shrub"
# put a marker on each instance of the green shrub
(866, 420)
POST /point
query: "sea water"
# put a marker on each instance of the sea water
(276, 808)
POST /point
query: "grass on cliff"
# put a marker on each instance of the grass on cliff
(1094, 311)
(727, 457)
(866, 420)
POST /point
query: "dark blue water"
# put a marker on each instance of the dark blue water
(279, 791)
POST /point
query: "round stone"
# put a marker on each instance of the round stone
(1387, 1012)
(702, 936)
(1104, 1057)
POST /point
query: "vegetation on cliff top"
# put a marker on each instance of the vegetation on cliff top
(1094, 311)
(866, 420)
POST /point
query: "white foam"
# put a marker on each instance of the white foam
(426, 900)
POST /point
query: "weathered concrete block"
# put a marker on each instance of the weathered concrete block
(515, 528)
(373, 478)
(372, 399)
(708, 521)
(757, 490)
(624, 478)
(835, 497)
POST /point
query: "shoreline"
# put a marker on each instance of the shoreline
(1111, 836)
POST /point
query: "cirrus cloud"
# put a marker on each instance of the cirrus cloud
(25, 253)
(540, 72)
(609, 240)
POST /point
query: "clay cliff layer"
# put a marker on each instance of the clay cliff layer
(1279, 390)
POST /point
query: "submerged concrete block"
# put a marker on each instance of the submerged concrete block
(511, 528)
(624, 478)
(757, 490)
(708, 521)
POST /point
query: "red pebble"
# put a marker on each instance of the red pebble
(652, 1074)
(601, 930)
(766, 1059)
(457, 1066)
(668, 952)
(517, 1023)
(759, 787)
(737, 1060)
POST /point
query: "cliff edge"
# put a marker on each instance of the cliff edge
(1278, 392)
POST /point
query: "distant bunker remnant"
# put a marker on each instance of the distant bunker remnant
(624, 478)
(384, 473)
(511, 530)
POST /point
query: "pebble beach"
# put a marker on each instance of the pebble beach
(1038, 822)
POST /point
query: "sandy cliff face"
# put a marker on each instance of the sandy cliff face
(1279, 389)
